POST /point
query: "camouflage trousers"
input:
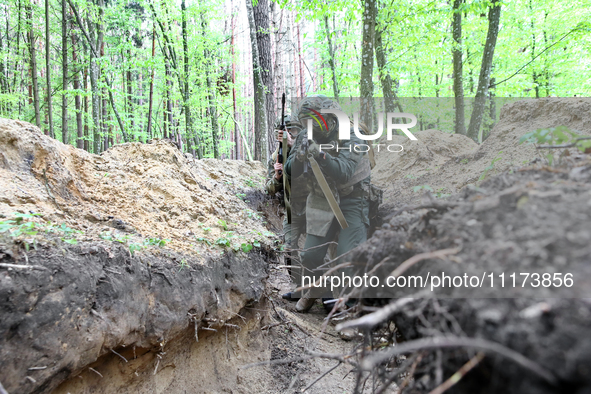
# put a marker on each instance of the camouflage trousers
(292, 232)
(356, 212)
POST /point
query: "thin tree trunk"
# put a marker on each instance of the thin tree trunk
(391, 101)
(48, 71)
(260, 105)
(456, 27)
(331, 51)
(64, 71)
(151, 99)
(261, 20)
(130, 106)
(210, 88)
(76, 83)
(187, 108)
(234, 112)
(95, 93)
(494, 16)
(86, 130)
(300, 65)
(34, 87)
(367, 53)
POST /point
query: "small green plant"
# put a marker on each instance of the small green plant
(183, 264)
(491, 166)
(251, 182)
(417, 189)
(410, 176)
(222, 241)
(464, 161)
(223, 224)
(206, 229)
(133, 247)
(156, 241)
(241, 196)
(246, 247)
(440, 193)
(204, 240)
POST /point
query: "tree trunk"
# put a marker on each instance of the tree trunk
(260, 105)
(64, 71)
(86, 131)
(33, 62)
(77, 102)
(210, 88)
(456, 27)
(187, 108)
(48, 71)
(129, 80)
(234, 112)
(367, 49)
(151, 99)
(94, 89)
(261, 21)
(331, 51)
(494, 16)
(391, 101)
(300, 65)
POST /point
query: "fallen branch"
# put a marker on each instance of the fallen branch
(22, 266)
(453, 342)
(321, 376)
(456, 377)
(371, 320)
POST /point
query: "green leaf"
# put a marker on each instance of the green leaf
(246, 247)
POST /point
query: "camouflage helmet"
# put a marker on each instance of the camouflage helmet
(289, 122)
(311, 106)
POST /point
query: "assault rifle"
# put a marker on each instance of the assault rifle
(282, 127)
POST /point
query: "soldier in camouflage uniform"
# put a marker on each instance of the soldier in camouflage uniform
(347, 172)
(295, 227)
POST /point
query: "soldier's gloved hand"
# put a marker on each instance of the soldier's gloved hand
(315, 151)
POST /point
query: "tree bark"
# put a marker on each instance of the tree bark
(494, 16)
(260, 105)
(64, 71)
(367, 53)
(261, 20)
(151, 99)
(210, 89)
(331, 62)
(234, 112)
(33, 62)
(390, 98)
(94, 90)
(48, 71)
(456, 27)
(77, 101)
(187, 108)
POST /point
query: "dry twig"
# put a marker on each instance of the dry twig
(453, 342)
(456, 377)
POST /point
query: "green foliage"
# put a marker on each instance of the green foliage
(18, 226)
(223, 224)
(156, 242)
(557, 136)
(490, 166)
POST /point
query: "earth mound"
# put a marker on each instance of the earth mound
(145, 191)
(444, 164)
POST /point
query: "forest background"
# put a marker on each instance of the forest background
(209, 75)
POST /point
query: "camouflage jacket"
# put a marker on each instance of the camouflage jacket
(347, 172)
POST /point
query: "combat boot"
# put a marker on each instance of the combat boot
(305, 303)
